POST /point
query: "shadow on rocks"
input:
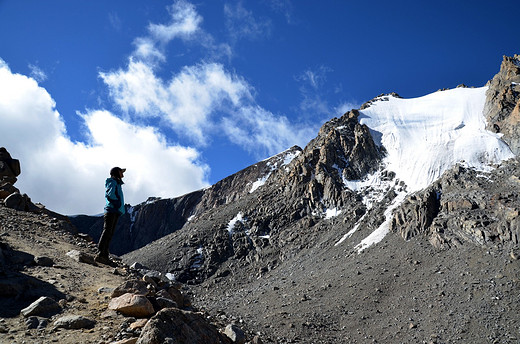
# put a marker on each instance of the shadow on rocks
(17, 290)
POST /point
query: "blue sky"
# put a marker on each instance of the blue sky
(186, 93)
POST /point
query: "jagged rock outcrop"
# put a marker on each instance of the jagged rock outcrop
(9, 170)
(465, 206)
(502, 108)
(343, 150)
(9, 194)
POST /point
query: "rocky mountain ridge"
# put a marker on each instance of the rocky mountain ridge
(295, 248)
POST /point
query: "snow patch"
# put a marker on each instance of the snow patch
(330, 213)
(378, 235)
(231, 224)
(259, 182)
(133, 214)
(352, 231)
(426, 136)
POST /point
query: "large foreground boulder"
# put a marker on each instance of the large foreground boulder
(173, 325)
(134, 305)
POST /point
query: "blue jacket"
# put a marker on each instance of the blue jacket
(115, 201)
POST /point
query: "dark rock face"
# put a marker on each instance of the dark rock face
(465, 206)
(502, 109)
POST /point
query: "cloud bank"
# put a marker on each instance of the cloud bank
(65, 175)
(200, 103)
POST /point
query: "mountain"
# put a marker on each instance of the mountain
(307, 246)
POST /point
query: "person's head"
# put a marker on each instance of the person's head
(117, 172)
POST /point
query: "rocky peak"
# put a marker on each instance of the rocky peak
(343, 150)
(382, 97)
(502, 108)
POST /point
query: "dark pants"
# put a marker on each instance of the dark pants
(109, 227)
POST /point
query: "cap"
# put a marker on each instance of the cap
(116, 170)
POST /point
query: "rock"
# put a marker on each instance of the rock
(235, 334)
(180, 327)
(33, 322)
(3, 328)
(134, 305)
(138, 324)
(163, 302)
(138, 266)
(256, 340)
(43, 306)
(43, 261)
(81, 257)
(177, 296)
(9, 167)
(126, 341)
(15, 201)
(131, 286)
(109, 314)
(416, 214)
(106, 290)
(73, 322)
(502, 107)
(7, 189)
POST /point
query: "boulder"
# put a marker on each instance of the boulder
(177, 296)
(7, 189)
(163, 302)
(36, 323)
(81, 257)
(181, 327)
(9, 167)
(43, 261)
(235, 334)
(73, 322)
(43, 306)
(131, 286)
(134, 305)
(15, 201)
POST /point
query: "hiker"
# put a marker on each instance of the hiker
(115, 207)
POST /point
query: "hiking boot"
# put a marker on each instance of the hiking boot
(104, 260)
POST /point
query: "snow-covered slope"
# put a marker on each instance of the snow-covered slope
(426, 136)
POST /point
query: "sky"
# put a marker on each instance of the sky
(185, 93)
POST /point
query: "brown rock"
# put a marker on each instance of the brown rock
(138, 324)
(132, 286)
(134, 305)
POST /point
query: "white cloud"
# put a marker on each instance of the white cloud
(185, 22)
(186, 102)
(262, 133)
(241, 23)
(37, 73)
(194, 100)
(68, 176)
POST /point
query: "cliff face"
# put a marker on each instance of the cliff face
(502, 109)
(465, 207)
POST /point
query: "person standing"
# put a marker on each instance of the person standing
(114, 208)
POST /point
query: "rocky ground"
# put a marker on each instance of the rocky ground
(76, 285)
(81, 301)
(395, 292)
